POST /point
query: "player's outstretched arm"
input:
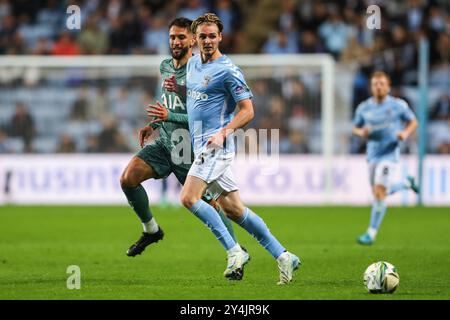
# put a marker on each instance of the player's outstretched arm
(241, 119)
(410, 127)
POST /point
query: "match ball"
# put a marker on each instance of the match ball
(381, 277)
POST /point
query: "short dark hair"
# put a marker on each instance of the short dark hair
(181, 22)
(207, 18)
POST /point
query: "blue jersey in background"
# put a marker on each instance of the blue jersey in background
(384, 121)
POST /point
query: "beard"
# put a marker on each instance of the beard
(181, 54)
(380, 95)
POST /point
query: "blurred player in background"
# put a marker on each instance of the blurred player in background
(155, 161)
(385, 121)
(215, 87)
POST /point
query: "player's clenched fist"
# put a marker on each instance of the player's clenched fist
(365, 132)
(217, 140)
(362, 132)
(402, 135)
(170, 84)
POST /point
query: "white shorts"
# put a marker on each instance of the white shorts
(382, 173)
(214, 167)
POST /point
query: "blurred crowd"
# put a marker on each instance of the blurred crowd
(339, 28)
(140, 27)
(107, 27)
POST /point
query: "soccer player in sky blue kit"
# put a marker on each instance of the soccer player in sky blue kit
(215, 86)
(385, 122)
(157, 160)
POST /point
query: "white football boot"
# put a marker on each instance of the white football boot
(287, 264)
(237, 259)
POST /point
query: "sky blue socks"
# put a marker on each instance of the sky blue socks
(259, 230)
(211, 218)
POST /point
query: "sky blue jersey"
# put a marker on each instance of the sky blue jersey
(384, 121)
(213, 90)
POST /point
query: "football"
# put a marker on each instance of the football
(381, 277)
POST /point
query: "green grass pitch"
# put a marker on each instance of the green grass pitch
(37, 244)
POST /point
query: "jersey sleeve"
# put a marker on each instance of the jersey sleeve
(177, 117)
(406, 114)
(156, 125)
(236, 86)
(358, 120)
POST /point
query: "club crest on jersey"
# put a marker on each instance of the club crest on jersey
(206, 80)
